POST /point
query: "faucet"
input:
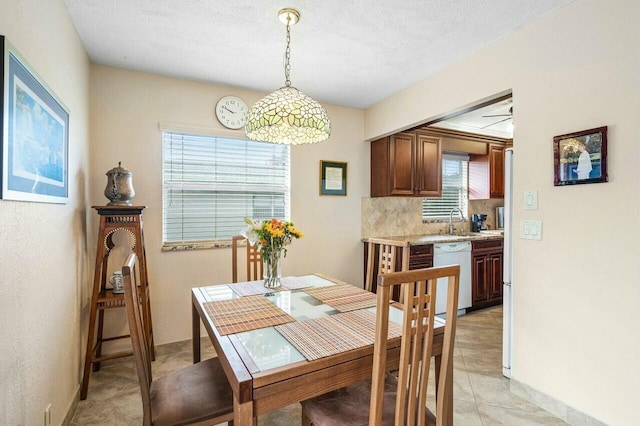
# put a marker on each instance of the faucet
(451, 227)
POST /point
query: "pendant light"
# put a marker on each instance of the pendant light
(288, 116)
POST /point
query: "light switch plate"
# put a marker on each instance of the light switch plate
(531, 200)
(531, 229)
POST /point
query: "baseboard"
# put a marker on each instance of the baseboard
(72, 408)
(553, 405)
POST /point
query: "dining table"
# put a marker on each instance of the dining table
(328, 346)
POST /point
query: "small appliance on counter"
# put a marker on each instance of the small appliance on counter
(478, 222)
(499, 217)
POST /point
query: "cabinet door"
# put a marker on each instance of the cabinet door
(421, 256)
(479, 277)
(496, 171)
(380, 167)
(429, 166)
(402, 164)
(495, 277)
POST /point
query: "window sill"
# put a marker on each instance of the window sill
(196, 245)
(441, 220)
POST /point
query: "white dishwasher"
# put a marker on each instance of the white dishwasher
(458, 253)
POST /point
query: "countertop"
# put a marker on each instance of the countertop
(418, 240)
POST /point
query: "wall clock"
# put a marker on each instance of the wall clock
(232, 112)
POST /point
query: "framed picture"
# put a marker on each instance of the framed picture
(35, 135)
(580, 157)
(333, 178)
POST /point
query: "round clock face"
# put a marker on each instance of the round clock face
(232, 112)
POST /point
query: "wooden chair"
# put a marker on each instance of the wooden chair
(198, 394)
(254, 260)
(399, 400)
(387, 251)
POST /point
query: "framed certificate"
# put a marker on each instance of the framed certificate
(333, 178)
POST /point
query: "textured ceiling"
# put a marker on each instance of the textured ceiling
(350, 53)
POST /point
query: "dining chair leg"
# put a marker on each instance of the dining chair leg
(305, 419)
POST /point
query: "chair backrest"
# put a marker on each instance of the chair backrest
(418, 310)
(141, 350)
(387, 251)
(254, 259)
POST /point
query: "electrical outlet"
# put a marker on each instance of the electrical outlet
(47, 415)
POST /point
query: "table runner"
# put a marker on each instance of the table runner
(321, 337)
(253, 288)
(343, 297)
(244, 314)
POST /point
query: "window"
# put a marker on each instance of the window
(211, 184)
(455, 170)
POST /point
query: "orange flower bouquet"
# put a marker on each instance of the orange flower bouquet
(271, 236)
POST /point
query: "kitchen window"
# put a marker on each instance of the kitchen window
(455, 189)
(210, 184)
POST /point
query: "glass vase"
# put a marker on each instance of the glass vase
(273, 269)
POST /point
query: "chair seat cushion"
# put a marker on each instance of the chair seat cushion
(195, 393)
(350, 405)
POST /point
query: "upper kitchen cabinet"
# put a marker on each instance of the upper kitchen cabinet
(407, 164)
(486, 174)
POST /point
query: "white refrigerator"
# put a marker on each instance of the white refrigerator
(507, 271)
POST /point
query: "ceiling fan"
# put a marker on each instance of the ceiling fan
(509, 117)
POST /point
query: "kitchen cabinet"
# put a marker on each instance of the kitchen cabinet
(420, 256)
(486, 273)
(407, 164)
(486, 174)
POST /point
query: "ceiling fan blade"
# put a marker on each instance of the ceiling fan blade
(499, 121)
(498, 115)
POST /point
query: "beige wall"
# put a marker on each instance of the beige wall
(576, 291)
(43, 265)
(126, 108)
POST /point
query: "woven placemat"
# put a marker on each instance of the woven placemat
(294, 283)
(252, 288)
(343, 297)
(321, 337)
(244, 314)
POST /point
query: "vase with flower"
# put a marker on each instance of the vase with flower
(271, 236)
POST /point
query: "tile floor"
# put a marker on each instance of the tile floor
(481, 393)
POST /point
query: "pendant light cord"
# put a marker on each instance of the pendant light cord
(287, 55)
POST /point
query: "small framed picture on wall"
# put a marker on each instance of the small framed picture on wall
(580, 157)
(333, 178)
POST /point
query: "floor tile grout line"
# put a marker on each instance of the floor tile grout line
(475, 401)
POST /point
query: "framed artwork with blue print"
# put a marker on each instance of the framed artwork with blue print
(35, 134)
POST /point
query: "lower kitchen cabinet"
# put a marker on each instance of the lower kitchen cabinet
(486, 273)
(420, 256)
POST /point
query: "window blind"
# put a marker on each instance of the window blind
(211, 184)
(455, 180)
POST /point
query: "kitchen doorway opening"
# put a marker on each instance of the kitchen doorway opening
(485, 132)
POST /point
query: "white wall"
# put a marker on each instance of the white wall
(126, 108)
(576, 291)
(43, 266)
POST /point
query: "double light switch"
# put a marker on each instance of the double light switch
(531, 229)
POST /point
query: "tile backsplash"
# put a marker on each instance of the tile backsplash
(393, 216)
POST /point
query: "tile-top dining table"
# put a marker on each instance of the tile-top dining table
(267, 370)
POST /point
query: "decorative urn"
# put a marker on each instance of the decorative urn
(119, 188)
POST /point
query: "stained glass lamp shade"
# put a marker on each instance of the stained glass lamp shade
(288, 116)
